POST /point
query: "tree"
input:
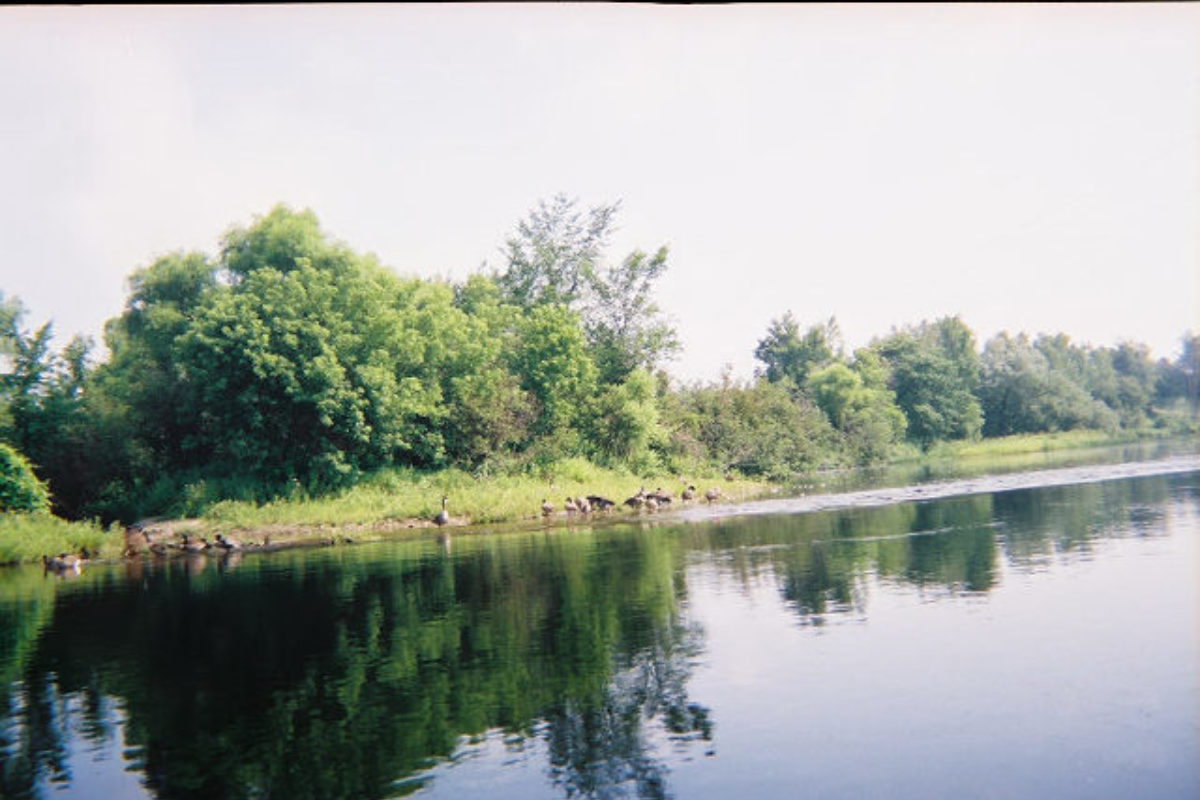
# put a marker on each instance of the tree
(1180, 379)
(20, 489)
(624, 425)
(859, 405)
(556, 257)
(552, 363)
(788, 355)
(1021, 392)
(935, 373)
(624, 325)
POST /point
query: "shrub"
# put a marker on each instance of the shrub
(20, 489)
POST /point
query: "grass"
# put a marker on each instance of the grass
(1022, 444)
(400, 495)
(27, 537)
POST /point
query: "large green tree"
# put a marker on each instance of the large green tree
(793, 356)
(1022, 391)
(557, 257)
(935, 374)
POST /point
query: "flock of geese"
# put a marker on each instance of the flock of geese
(594, 503)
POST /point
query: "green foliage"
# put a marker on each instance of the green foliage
(552, 359)
(1021, 393)
(25, 538)
(624, 427)
(861, 408)
(935, 374)
(20, 489)
(788, 355)
(290, 363)
(759, 428)
(556, 257)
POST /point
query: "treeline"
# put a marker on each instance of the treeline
(289, 362)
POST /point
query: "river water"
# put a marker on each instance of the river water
(1029, 635)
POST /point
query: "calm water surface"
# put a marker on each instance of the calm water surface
(1033, 642)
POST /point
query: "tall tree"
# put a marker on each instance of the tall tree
(789, 355)
(557, 256)
(935, 374)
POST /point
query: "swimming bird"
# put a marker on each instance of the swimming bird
(63, 562)
(442, 516)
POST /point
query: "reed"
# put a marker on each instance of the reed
(27, 537)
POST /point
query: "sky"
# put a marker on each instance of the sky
(1027, 167)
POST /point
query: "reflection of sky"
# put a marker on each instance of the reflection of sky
(1079, 680)
(97, 769)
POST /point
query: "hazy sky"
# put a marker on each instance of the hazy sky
(1030, 167)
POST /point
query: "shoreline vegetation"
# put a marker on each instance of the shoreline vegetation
(290, 384)
(399, 503)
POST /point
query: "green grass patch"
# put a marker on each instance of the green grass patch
(403, 494)
(27, 537)
(1025, 443)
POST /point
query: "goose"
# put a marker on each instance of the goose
(135, 540)
(62, 562)
(638, 500)
(712, 494)
(583, 505)
(661, 496)
(651, 503)
(228, 543)
(570, 506)
(194, 544)
(547, 508)
(688, 493)
(601, 503)
(442, 516)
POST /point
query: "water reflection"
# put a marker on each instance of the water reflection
(348, 673)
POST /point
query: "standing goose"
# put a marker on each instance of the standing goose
(228, 543)
(443, 516)
(547, 508)
(600, 503)
(712, 494)
(194, 544)
(688, 493)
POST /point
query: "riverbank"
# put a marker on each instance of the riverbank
(398, 502)
(384, 505)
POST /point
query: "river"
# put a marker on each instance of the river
(1027, 635)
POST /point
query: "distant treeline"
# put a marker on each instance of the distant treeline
(290, 361)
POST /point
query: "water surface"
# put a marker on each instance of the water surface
(1013, 641)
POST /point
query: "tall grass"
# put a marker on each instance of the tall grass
(404, 494)
(27, 537)
(1024, 443)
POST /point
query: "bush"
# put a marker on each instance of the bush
(20, 489)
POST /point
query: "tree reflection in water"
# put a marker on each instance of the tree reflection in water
(342, 673)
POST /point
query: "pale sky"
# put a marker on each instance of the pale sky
(1030, 167)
